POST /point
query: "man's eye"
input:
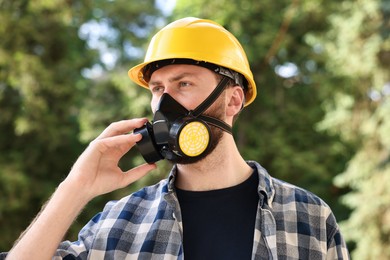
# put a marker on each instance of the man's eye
(184, 84)
(157, 89)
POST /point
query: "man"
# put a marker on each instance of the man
(214, 204)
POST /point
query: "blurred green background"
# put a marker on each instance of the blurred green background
(321, 119)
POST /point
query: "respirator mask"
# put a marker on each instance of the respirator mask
(178, 134)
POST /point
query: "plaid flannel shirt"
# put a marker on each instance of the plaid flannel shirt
(291, 223)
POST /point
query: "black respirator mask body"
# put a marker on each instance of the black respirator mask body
(177, 133)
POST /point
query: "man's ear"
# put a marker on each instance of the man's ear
(235, 100)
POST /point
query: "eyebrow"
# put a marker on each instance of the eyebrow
(174, 78)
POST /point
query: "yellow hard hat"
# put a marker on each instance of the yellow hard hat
(199, 40)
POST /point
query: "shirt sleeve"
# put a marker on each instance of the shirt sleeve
(74, 250)
(80, 249)
(337, 248)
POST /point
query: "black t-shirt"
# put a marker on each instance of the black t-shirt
(220, 224)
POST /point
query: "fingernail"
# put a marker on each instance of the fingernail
(137, 136)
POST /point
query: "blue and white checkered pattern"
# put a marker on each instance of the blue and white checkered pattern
(291, 223)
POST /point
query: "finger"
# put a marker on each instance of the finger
(136, 173)
(122, 127)
(120, 142)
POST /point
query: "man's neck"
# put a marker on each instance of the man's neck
(223, 168)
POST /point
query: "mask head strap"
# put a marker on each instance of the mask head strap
(211, 98)
(197, 112)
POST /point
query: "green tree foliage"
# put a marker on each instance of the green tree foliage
(278, 129)
(62, 79)
(358, 49)
(39, 76)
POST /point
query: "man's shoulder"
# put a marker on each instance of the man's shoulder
(147, 197)
(151, 192)
(304, 205)
(287, 192)
(284, 193)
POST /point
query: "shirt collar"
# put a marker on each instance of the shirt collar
(265, 188)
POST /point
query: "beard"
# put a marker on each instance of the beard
(215, 111)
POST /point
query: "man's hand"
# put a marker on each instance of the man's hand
(96, 171)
